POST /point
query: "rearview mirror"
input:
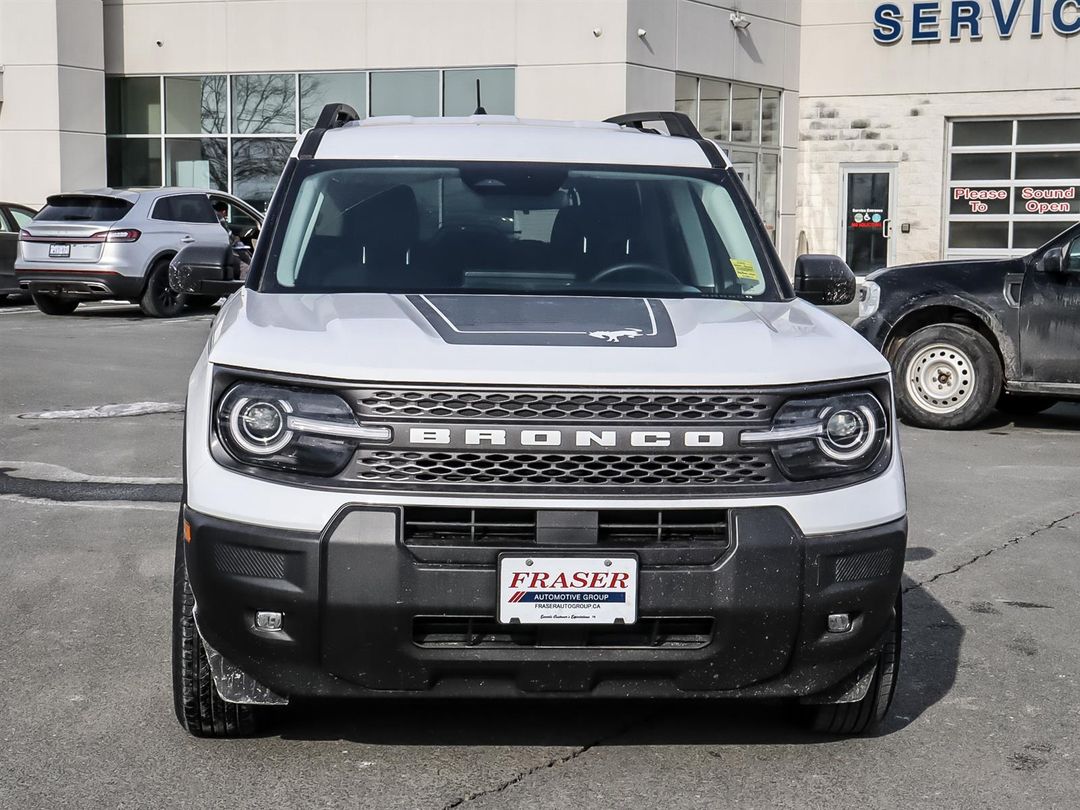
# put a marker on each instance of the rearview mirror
(824, 280)
(205, 270)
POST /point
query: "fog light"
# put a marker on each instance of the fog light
(838, 622)
(271, 620)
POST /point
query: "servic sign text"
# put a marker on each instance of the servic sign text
(956, 19)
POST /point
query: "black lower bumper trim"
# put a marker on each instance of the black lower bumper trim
(364, 616)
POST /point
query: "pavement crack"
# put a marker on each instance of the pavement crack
(551, 763)
(1013, 542)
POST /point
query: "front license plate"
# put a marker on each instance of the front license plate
(568, 590)
(59, 251)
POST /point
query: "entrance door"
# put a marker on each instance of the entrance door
(866, 226)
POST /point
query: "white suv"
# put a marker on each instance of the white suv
(527, 408)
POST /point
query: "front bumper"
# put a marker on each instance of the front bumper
(874, 328)
(354, 596)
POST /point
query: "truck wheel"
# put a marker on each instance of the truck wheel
(1021, 405)
(199, 707)
(865, 715)
(54, 304)
(158, 299)
(948, 377)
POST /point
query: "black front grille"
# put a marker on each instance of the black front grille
(487, 469)
(470, 632)
(511, 404)
(659, 537)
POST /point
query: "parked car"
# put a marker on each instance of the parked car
(12, 218)
(117, 243)
(967, 336)
(603, 452)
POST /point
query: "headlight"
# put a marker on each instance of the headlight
(301, 430)
(869, 299)
(825, 436)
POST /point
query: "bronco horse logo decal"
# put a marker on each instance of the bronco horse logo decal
(616, 336)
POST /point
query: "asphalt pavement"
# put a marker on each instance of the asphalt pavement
(986, 716)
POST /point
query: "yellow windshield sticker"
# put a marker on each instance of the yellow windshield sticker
(746, 269)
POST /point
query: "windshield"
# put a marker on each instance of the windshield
(516, 228)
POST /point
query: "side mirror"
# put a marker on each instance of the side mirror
(205, 270)
(1053, 261)
(824, 280)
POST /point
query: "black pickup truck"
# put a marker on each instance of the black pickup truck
(965, 337)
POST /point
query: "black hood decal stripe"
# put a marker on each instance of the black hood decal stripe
(536, 320)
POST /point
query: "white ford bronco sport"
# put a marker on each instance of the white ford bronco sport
(514, 408)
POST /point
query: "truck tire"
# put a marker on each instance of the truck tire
(864, 716)
(1024, 405)
(158, 299)
(948, 377)
(199, 707)
(54, 304)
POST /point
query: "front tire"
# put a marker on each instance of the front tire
(948, 377)
(864, 716)
(158, 299)
(199, 707)
(54, 304)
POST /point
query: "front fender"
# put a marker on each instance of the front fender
(955, 299)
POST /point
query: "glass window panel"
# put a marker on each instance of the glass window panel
(1049, 130)
(1030, 235)
(715, 110)
(745, 112)
(996, 166)
(133, 162)
(982, 133)
(319, 89)
(200, 163)
(686, 96)
(22, 218)
(256, 166)
(1047, 165)
(195, 104)
(985, 235)
(768, 183)
(133, 105)
(405, 92)
(1047, 200)
(745, 165)
(496, 91)
(979, 200)
(770, 116)
(264, 103)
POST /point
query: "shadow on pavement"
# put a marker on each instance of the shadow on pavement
(932, 639)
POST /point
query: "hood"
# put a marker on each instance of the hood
(538, 340)
(954, 268)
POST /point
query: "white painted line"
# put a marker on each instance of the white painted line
(40, 471)
(108, 411)
(110, 505)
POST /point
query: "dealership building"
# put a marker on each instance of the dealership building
(886, 132)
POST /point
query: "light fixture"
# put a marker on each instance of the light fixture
(641, 32)
(739, 22)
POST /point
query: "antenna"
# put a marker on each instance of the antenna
(479, 106)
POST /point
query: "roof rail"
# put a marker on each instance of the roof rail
(332, 116)
(678, 124)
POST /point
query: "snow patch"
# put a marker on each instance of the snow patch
(107, 411)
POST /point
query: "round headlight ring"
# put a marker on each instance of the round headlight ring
(855, 445)
(247, 413)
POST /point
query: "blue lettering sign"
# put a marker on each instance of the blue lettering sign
(1006, 22)
(1066, 27)
(966, 14)
(887, 26)
(1036, 18)
(924, 22)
